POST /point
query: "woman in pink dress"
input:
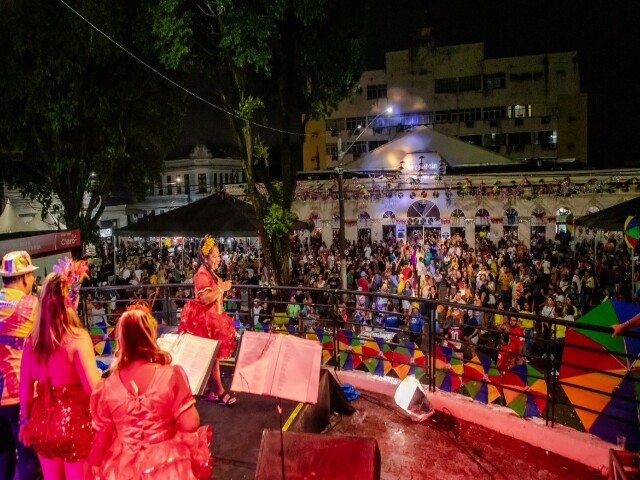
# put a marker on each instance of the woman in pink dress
(144, 414)
(205, 317)
(59, 356)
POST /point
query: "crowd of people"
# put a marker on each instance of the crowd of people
(557, 278)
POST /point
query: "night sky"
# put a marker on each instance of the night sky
(605, 34)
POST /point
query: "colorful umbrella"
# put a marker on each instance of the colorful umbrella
(373, 354)
(417, 360)
(350, 350)
(482, 379)
(609, 368)
(525, 390)
(631, 232)
(449, 369)
(103, 339)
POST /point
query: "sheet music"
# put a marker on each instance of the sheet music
(194, 354)
(254, 367)
(297, 371)
(280, 366)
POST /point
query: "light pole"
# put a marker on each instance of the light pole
(340, 176)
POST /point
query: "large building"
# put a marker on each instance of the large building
(527, 107)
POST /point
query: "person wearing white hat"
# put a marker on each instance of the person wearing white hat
(17, 315)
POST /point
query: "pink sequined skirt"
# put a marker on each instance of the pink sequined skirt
(60, 422)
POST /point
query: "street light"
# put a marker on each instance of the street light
(340, 174)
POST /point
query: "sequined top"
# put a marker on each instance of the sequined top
(17, 315)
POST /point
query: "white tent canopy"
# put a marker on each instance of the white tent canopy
(427, 142)
(10, 221)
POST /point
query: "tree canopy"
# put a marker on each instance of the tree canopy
(274, 64)
(79, 118)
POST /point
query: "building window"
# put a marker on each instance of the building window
(445, 116)
(354, 123)
(160, 190)
(544, 137)
(335, 125)
(494, 139)
(494, 113)
(332, 150)
(215, 180)
(520, 138)
(458, 84)
(178, 185)
(470, 114)
(358, 148)
(519, 111)
(202, 183)
(446, 85)
(226, 178)
(495, 81)
(169, 185)
(376, 91)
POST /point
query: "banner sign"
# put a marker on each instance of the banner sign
(45, 244)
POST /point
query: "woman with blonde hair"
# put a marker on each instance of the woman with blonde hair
(144, 415)
(59, 356)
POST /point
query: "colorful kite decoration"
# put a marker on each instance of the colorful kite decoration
(319, 335)
(417, 360)
(525, 390)
(632, 232)
(349, 350)
(449, 369)
(400, 362)
(600, 374)
(482, 379)
(103, 339)
(374, 358)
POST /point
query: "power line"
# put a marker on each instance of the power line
(176, 84)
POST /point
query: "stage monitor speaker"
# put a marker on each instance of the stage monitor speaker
(315, 456)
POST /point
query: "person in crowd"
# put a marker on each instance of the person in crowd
(558, 333)
(510, 346)
(205, 317)
(293, 311)
(416, 324)
(59, 358)
(527, 328)
(144, 415)
(18, 308)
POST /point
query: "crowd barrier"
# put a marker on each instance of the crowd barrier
(592, 387)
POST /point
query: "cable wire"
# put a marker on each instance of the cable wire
(176, 84)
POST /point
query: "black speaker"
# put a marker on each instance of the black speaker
(315, 456)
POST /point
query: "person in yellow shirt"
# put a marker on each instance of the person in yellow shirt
(558, 333)
(527, 327)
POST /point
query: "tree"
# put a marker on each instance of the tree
(275, 64)
(79, 118)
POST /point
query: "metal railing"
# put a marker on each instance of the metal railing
(355, 335)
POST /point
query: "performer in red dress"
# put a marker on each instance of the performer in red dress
(205, 317)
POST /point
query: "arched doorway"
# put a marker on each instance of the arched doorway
(482, 223)
(564, 220)
(389, 226)
(510, 224)
(457, 223)
(364, 226)
(538, 224)
(423, 219)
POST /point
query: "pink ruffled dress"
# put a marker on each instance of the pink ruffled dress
(147, 443)
(209, 321)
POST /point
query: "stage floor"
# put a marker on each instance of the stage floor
(437, 449)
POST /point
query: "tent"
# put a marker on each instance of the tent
(10, 221)
(216, 215)
(611, 218)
